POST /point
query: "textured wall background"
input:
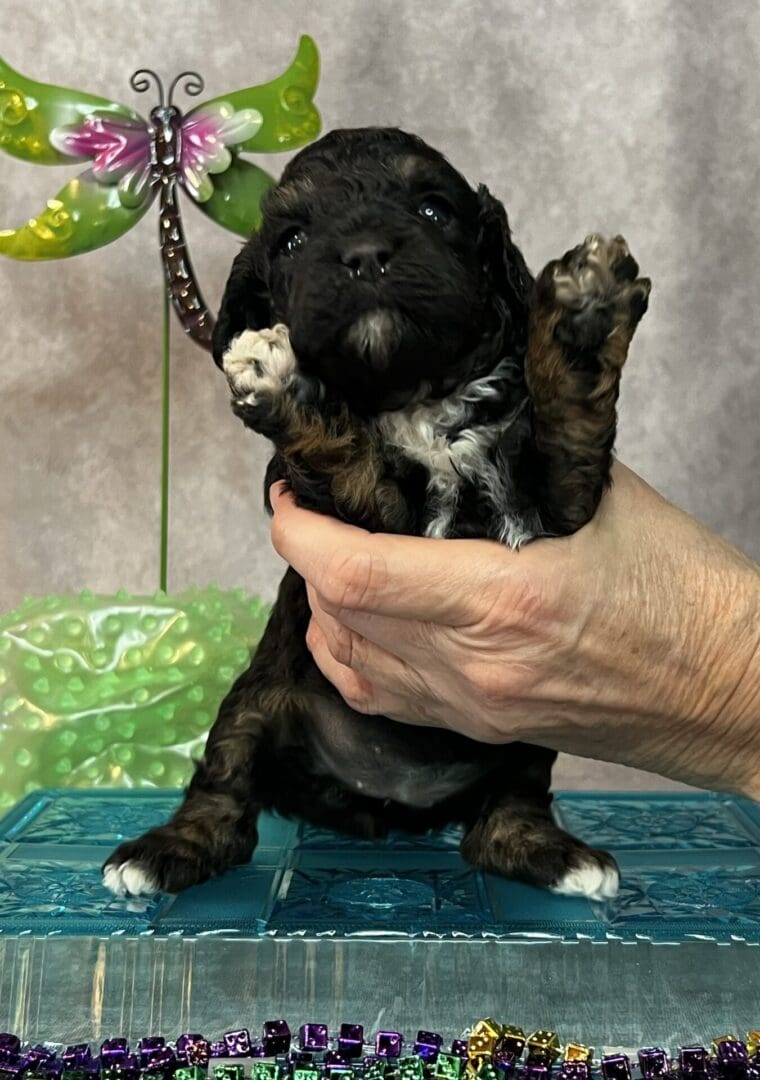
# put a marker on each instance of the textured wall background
(638, 116)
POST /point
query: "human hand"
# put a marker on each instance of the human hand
(635, 640)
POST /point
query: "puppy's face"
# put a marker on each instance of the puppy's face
(392, 274)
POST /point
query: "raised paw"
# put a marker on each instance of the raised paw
(161, 860)
(597, 297)
(260, 362)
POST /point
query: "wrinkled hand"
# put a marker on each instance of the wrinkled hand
(636, 640)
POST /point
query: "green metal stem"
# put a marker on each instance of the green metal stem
(165, 386)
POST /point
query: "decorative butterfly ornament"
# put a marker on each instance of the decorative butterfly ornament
(134, 160)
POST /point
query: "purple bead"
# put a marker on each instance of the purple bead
(10, 1045)
(147, 1048)
(54, 1068)
(351, 1040)
(12, 1068)
(575, 1070)
(194, 1049)
(38, 1057)
(732, 1058)
(536, 1068)
(238, 1042)
(653, 1061)
(276, 1037)
(334, 1057)
(428, 1045)
(693, 1061)
(459, 1048)
(298, 1058)
(616, 1067)
(113, 1052)
(505, 1063)
(313, 1037)
(162, 1062)
(218, 1049)
(76, 1057)
(388, 1044)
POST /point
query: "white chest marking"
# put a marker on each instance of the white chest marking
(435, 434)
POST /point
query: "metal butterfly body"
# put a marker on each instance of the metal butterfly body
(134, 160)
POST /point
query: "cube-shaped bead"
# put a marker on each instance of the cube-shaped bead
(305, 1072)
(577, 1052)
(753, 1042)
(411, 1067)
(37, 1057)
(543, 1045)
(374, 1069)
(732, 1058)
(10, 1046)
(190, 1072)
(653, 1062)
(313, 1037)
(12, 1069)
(428, 1045)
(480, 1045)
(351, 1040)
(217, 1049)
(148, 1047)
(488, 1071)
(448, 1066)
(276, 1037)
(616, 1067)
(76, 1056)
(388, 1044)
(237, 1042)
(193, 1049)
(54, 1069)
(126, 1068)
(161, 1063)
(339, 1072)
(229, 1072)
(575, 1070)
(113, 1051)
(512, 1040)
(505, 1063)
(693, 1061)
(265, 1070)
(334, 1057)
(536, 1068)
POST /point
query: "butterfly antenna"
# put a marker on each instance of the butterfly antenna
(193, 84)
(140, 82)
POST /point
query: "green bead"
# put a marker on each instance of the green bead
(305, 1074)
(190, 1072)
(411, 1068)
(448, 1066)
(229, 1072)
(265, 1070)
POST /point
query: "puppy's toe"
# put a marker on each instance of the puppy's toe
(260, 361)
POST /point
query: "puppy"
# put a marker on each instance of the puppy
(384, 332)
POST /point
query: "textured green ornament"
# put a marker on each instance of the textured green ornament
(229, 1072)
(411, 1068)
(190, 1072)
(116, 691)
(265, 1070)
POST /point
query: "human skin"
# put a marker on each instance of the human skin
(636, 640)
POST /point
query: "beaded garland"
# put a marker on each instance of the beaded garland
(490, 1051)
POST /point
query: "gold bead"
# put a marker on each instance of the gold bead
(544, 1043)
(753, 1041)
(578, 1052)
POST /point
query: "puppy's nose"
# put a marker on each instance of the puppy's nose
(367, 258)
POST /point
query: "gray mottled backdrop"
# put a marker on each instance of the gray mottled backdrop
(640, 116)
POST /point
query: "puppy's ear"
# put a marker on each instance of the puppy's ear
(511, 279)
(245, 304)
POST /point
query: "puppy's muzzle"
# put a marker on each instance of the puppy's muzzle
(367, 259)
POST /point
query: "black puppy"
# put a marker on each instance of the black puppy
(383, 330)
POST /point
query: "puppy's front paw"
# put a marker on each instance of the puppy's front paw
(160, 861)
(260, 363)
(597, 294)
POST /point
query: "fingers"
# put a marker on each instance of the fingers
(401, 576)
(358, 692)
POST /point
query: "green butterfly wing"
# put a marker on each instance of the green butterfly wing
(30, 110)
(286, 104)
(83, 216)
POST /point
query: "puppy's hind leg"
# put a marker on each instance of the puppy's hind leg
(517, 838)
(587, 307)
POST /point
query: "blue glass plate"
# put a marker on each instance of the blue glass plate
(690, 868)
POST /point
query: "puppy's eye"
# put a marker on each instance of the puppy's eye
(291, 242)
(436, 210)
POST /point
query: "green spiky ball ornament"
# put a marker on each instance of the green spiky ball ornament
(116, 691)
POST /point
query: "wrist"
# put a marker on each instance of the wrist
(728, 706)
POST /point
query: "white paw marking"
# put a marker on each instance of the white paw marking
(129, 879)
(589, 879)
(580, 285)
(260, 362)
